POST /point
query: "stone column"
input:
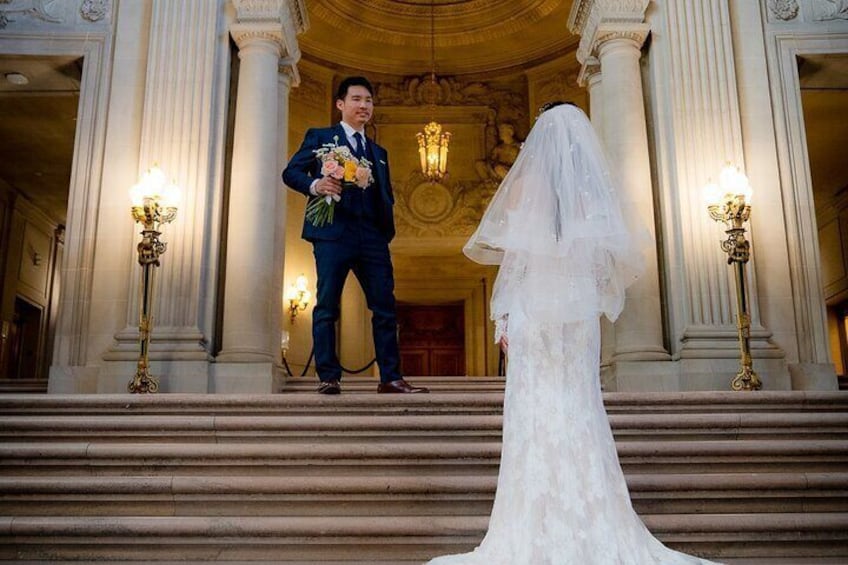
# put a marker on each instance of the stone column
(590, 77)
(265, 34)
(639, 330)
(285, 79)
(613, 32)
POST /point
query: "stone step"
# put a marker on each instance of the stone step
(442, 427)
(358, 384)
(23, 386)
(382, 538)
(316, 495)
(474, 457)
(436, 403)
(731, 561)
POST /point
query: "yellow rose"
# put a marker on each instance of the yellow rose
(349, 171)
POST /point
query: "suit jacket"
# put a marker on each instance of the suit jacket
(304, 167)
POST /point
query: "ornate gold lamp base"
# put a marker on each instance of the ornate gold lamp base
(143, 382)
(746, 379)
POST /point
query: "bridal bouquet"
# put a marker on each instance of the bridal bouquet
(338, 162)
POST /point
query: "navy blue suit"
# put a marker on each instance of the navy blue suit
(358, 241)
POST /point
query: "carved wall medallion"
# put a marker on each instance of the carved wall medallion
(94, 10)
(430, 202)
(440, 209)
(784, 10)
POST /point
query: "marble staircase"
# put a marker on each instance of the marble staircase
(300, 478)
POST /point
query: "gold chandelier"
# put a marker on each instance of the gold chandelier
(433, 142)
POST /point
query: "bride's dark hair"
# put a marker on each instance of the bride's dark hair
(548, 105)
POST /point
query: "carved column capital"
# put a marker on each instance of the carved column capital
(600, 21)
(277, 22)
(590, 72)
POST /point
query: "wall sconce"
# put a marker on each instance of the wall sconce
(298, 296)
(154, 202)
(729, 202)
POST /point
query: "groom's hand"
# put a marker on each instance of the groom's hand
(328, 186)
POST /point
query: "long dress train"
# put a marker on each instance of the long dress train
(561, 496)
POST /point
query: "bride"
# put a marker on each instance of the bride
(565, 255)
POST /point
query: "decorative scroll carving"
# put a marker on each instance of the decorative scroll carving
(784, 9)
(824, 10)
(299, 15)
(507, 104)
(94, 10)
(36, 9)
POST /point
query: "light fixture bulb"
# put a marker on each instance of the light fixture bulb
(712, 194)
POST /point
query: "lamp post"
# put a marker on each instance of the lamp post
(729, 202)
(154, 202)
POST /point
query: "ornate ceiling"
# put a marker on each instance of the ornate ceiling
(471, 36)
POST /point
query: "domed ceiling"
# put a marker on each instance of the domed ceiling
(471, 36)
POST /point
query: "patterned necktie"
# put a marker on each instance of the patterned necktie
(359, 150)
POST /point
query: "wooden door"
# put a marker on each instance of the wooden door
(432, 339)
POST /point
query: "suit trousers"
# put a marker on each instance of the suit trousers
(363, 249)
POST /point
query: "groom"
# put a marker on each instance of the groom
(357, 239)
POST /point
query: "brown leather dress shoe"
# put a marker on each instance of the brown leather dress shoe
(400, 386)
(330, 387)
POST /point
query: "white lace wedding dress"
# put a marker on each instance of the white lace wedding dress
(561, 496)
(566, 255)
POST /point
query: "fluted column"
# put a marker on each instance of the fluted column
(181, 123)
(264, 33)
(699, 131)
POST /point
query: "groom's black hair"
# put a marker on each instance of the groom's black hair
(353, 81)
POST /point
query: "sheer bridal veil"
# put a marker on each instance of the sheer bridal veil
(556, 229)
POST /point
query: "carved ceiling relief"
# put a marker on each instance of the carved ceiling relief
(811, 10)
(43, 10)
(311, 91)
(560, 86)
(454, 206)
(824, 10)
